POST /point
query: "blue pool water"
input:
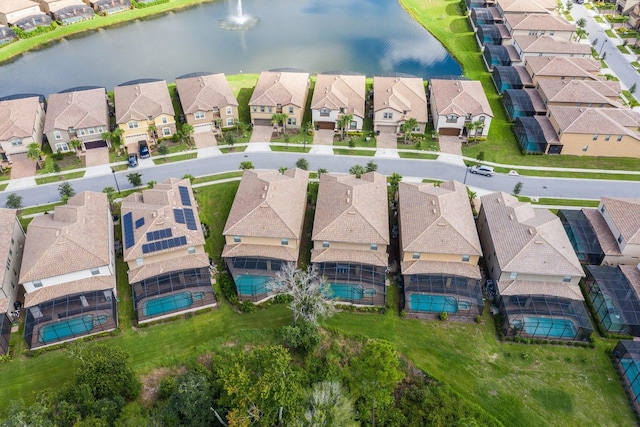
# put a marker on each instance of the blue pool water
(631, 370)
(433, 303)
(346, 291)
(167, 304)
(65, 329)
(550, 327)
(249, 284)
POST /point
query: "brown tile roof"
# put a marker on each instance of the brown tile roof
(47, 293)
(550, 45)
(549, 132)
(401, 94)
(75, 237)
(351, 209)
(263, 251)
(524, 287)
(461, 269)
(625, 213)
(527, 6)
(632, 274)
(78, 110)
(204, 93)
(139, 101)
(581, 91)
(459, 97)
(525, 78)
(7, 223)
(536, 100)
(155, 207)
(17, 117)
(174, 264)
(335, 92)
(8, 6)
(606, 239)
(563, 66)
(538, 22)
(378, 258)
(281, 88)
(528, 240)
(269, 204)
(437, 219)
(592, 121)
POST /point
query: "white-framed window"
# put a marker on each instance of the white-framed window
(595, 137)
(230, 121)
(416, 255)
(374, 246)
(91, 131)
(465, 258)
(229, 111)
(284, 242)
(620, 239)
(164, 120)
(452, 118)
(57, 135)
(166, 131)
(324, 112)
(353, 124)
(291, 121)
(198, 115)
(387, 116)
(603, 209)
(566, 279)
(237, 239)
(100, 129)
(72, 129)
(585, 148)
(270, 109)
(82, 132)
(619, 138)
(132, 125)
(262, 108)
(191, 250)
(16, 141)
(513, 275)
(37, 283)
(290, 110)
(95, 271)
(62, 146)
(325, 244)
(607, 137)
(255, 109)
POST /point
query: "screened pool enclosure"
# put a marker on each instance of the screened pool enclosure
(354, 282)
(582, 236)
(438, 293)
(627, 358)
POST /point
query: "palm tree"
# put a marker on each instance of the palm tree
(408, 126)
(115, 138)
(343, 123)
(34, 151)
(186, 132)
(75, 144)
(280, 118)
(357, 170)
(135, 179)
(474, 126)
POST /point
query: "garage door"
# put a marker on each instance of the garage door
(449, 131)
(327, 125)
(95, 144)
(262, 122)
(205, 127)
(130, 139)
(386, 129)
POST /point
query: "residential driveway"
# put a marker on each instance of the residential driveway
(261, 134)
(22, 167)
(323, 137)
(387, 140)
(97, 156)
(451, 144)
(204, 140)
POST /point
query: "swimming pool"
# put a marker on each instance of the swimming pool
(167, 304)
(65, 329)
(434, 303)
(608, 313)
(550, 327)
(346, 291)
(631, 370)
(250, 284)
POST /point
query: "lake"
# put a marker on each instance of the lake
(371, 37)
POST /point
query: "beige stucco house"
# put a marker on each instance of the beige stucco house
(163, 246)
(12, 12)
(562, 68)
(455, 103)
(69, 272)
(81, 115)
(397, 99)
(67, 11)
(580, 93)
(11, 246)
(282, 92)
(538, 24)
(351, 235)
(141, 106)
(207, 101)
(335, 95)
(440, 249)
(622, 218)
(21, 123)
(525, 6)
(527, 46)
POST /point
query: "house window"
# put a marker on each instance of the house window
(585, 148)
(566, 279)
(166, 131)
(465, 258)
(290, 110)
(16, 142)
(81, 132)
(71, 129)
(164, 120)
(198, 115)
(229, 111)
(191, 250)
(387, 116)
(132, 125)
(513, 275)
(237, 239)
(325, 244)
(57, 135)
(230, 121)
(91, 131)
(374, 246)
(270, 109)
(595, 137)
(149, 118)
(262, 108)
(139, 261)
(416, 255)
(452, 118)
(324, 112)
(620, 239)
(353, 124)
(95, 271)
(255, 109)
(37, 284)
(100, 129)
(62, 146)
(602, 209)
(284, 242)
(607, 137)
(619, 138)
(291, 121)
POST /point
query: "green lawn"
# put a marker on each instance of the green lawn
(60, 177)
(349, 152)
(291, 148)
(217, 177)
(160, 160)
(411, 155)
(3, 186)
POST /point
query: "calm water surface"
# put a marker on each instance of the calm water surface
(371, 37)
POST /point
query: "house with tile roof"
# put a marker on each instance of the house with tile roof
(456, 103)
(537, 273)
(207, 101)
(538, 24)
(163, 246)
(67, 11)
(580, 93)
(81, 115)
(440, 250)
(279, 92)
(109, 7)
(14, 12)
(536, 46)
(264, 228)
(525, 6)
(622, 219)
(351, 235)
(397, 99)
(11, 246)
(562, 68)
(21, 123)
(144, 112)
(335, 95)
(68, 272)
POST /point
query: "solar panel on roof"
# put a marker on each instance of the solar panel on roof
(127, 225)
(184, 195)
(179, 215)
(164, 244)
(190, 219)
(159, 234)
(139, 222)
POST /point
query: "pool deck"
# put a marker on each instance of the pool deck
(209, 301)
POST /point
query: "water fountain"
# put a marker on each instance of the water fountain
(239, 21)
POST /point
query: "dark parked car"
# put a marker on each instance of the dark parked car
(144, 149)
(133, 160)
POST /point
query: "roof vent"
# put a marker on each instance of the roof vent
(348, 201)
(441, 224)
(433, 202)
(511, 217)
(352, 212)
(537, 242)
(265, 188)
(531, 232)
(435, 210)
(264, 195)
(348, 192)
